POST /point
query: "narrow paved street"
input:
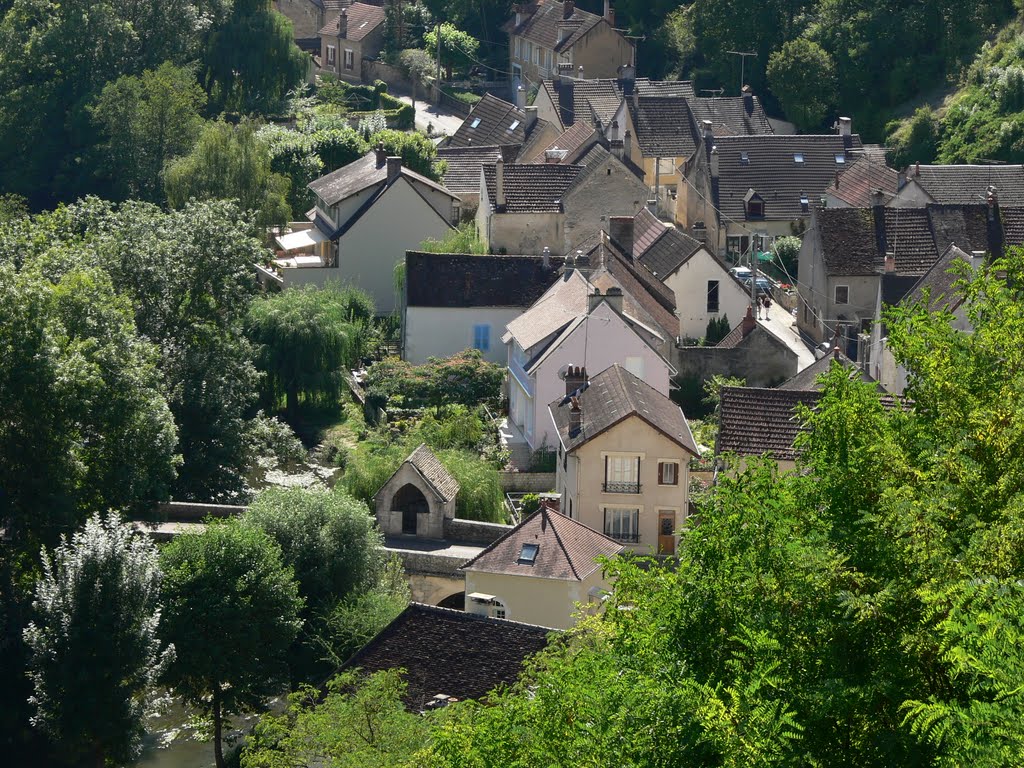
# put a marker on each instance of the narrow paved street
(783, 325)
(443, 122)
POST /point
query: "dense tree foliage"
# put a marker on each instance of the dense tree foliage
(232, 611)
(462, 379)
(96, 654)
(458, 49)
(802, 77)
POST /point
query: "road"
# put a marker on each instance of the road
(442, 121)
(783, 325)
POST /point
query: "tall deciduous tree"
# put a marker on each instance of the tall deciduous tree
(95, 648)
(802, 76)
(232, 611)
(252, 61)
(306, 336)
(458, 49)
(230, 163)
(147, 120)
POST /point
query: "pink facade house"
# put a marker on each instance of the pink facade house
(571, 323)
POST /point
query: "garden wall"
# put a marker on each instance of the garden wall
(474, 531)
(527, 482)
(184, 511)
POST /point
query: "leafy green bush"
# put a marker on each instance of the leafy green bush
(462, 379)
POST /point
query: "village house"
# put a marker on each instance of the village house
(745, 191)
(493, 121)
(623, 458)
(702, 285)
(448, 656)
(463, 166)
(308, 18)
(573, 322)
(848, 254)
(545, 33)
(541, 572)
(354, 34)
(959, 185)
(755, 421)
(367, 215)
(454, 302)
(867, 180)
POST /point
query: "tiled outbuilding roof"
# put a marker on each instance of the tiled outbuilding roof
(731, 115)
(566, 550)
(807, 379)
(616, 394)
(863, 175)
(670, 251)
(462, 176)
(532, 188)
(664, 126)
(433, 471)
(968, 184)
(457, 280)
(781, 169)
(491, 121)
(753, 421)
(541, 25)
(362, 20)
(442, 651)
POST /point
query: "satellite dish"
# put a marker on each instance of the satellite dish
(563, 372)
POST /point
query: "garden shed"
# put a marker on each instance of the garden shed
(418, 498)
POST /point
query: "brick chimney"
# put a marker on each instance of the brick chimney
(620, 229)
(568, 8)
(748, 322)
(394, 169)
(594, 300)
(499, 183)
(531, 118)
(343, 24)
(614, 298)
(609, 12)
(714, 162)
(381, 154)
(890, 262)
(575, 417)
(575, 377)
(520, 97)
(748, 100)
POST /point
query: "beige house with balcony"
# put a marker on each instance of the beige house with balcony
(623, 458)
(546, 34)
(543, 571)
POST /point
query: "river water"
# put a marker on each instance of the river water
(173, 743)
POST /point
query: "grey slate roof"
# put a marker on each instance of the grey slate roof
(533, 188)
(451, 652)
(433, 471)
(457, 280)
(664, 126)
(541, 25)
(670, 251)
(938, 281)
(863, 175)
(497, 118)
(599, 99)
(753, 421)
(464, 163)
(616, 394)
(731, 115)
(773, 173)
(567, 549)
(362, 20)
(359, 175)
(807, 379)
(572, 141)
(968, 184)
(561, 304)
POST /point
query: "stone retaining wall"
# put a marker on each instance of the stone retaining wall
(474, 531)
(188, 512)
(527, 482)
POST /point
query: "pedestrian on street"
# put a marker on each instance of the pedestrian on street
(766, 302)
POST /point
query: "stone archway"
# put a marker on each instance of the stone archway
(410, 501)
(456, 602)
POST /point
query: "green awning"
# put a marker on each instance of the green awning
(765, 256)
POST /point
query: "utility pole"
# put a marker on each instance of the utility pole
(743, 61)
(437, 31)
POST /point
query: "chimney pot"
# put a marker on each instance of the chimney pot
(531, 118)
(977, 259)
(575, 377)
(381, 154)
(568, 8)
(520, 97)
(917, 168)
(394, 168)
(890, 262)
(748, 100)
(579, 72)
(845, 126)
(609, 12)
(714, 162)
(709, 129)
(614, 298)
(748, 322)
(499, 183)
(546, 259)
(594, 300)
(343, 24)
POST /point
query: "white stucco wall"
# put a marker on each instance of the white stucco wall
(546, 602)
(445, 331)
(690, 283)
(601, 341)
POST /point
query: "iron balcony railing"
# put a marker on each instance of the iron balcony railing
(621, 488)
(625, 538)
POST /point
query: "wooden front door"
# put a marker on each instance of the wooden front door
(666, 532)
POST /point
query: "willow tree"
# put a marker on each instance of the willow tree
(307, 336)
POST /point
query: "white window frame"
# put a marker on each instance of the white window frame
(622, 467)
(675, 463)
(498, 609)
(621, 523)
(332, 55)
(717, 284)
(350, 59)
(835, 294)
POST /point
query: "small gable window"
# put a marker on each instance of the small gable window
(528, 554)
(475, 123)
(842, 294)
(798, 157)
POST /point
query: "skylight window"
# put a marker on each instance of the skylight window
(840, 158)
(475, 123)
(528, 554)
(798, 157)
(744, 158)
(805, 204)
(515, 124)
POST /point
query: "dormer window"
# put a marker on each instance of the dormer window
(528, 554)
(753, 205)
(515, 124)
(840, 158)
(475, 123)
(805, 204)
(798, 157)
(744, 158)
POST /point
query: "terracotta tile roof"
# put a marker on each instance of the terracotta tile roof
(451, 652)
(567, 550)
(856, 184)
(669, 252)
(647, 228)
(753, 421)
(664, 126)
(807, 379)
(562, 303)
(456, 280)
(938, 281)
(462, 176)
(616, 394)
(500, 122)
(533, 188)
(541, 25)
(732, 115)
(968, 184)
(433, 471)
(772, 171)
(362, 20)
